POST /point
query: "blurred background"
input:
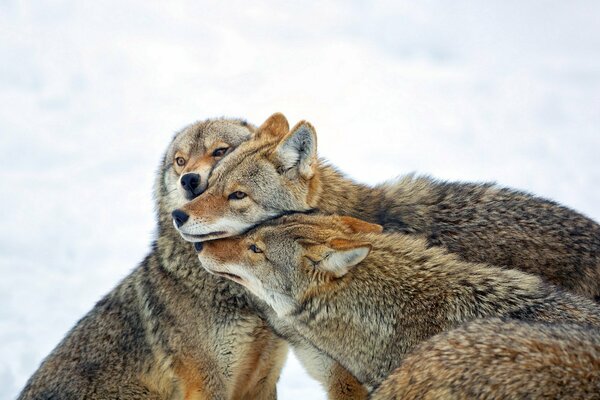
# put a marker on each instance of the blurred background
(92, 92)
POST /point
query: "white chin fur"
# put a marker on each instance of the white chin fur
(278, 302)
(209, 264)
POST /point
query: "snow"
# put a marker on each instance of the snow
(91, 92)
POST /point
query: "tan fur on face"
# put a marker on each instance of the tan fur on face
(228, 250)
(196, 144)
(203, 163)
(208, 209)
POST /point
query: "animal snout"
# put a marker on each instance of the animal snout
(190, 183)
(198, 246)
(179, 217)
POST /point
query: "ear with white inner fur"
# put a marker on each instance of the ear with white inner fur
(345, 254)
(298, 150)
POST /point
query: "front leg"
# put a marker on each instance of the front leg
(341, 384)
(272, 360)
(337, 380)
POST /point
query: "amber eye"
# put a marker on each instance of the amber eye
(237, 195)
(180, 161)
(220, 152)
(254, 249)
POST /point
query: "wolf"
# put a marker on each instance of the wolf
(278, 171)
(170, 330)
(500, 359)
(367, 298)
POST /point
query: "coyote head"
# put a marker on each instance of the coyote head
(285, 260)
(270, 175)
(191, 157)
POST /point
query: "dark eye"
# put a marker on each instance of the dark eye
(254, 249)
(220, 152)
(237, 195)
(180, 161)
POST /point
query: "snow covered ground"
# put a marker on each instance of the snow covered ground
(91, 92)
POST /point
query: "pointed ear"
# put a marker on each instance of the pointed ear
(344, 255)
(276, 126)
(297, 152)
(359, 226)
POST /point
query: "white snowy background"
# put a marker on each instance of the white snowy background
(91, 93)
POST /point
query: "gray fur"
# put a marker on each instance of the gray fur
(500, 359)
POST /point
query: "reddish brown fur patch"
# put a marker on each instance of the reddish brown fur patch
(343, 385)
(225, 250)
(206, 162)
(276, 126)
(359, 226)
(314, 188)
(189, 373)
(346, 244)
(209, 207)
(254, 368)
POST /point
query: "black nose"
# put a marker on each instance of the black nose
(198, 246)
(179, 217)
(190, 182)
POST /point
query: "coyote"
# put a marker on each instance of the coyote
(170, 330)
(367, 298)
(500, 359)
(278, 171)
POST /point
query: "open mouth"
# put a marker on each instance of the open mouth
(229, 276)
(201, 238)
